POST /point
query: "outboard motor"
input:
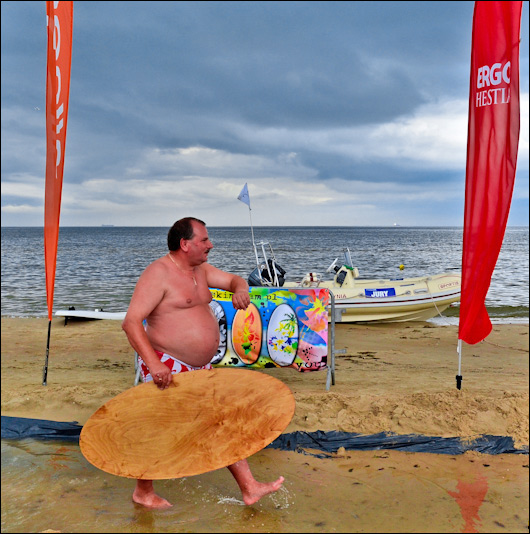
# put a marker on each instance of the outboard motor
(253, 278)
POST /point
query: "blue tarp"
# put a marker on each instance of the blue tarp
(329, 442)
(21, 427)
(320, 444)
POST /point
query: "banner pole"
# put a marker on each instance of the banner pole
(253, 242)
(45, 370)
(459, 375)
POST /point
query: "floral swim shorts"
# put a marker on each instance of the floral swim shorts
(175, 366)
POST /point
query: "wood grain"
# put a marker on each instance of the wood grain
(205, 420)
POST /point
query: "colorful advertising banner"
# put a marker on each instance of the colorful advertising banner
(280, 328)
(493, 137)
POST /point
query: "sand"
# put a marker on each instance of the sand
(396, 378)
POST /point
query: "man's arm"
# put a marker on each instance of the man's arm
(229, 282)
(148, 293)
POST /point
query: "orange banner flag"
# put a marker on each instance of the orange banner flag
(60, 24)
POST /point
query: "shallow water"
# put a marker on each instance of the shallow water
(49, 485)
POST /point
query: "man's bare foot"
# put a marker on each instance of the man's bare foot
(152, 501)
(145, 495)
(259, 490)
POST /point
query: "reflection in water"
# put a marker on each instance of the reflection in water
(470, 497)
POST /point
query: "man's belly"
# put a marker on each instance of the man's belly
(189, 334)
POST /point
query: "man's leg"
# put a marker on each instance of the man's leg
(251, 489)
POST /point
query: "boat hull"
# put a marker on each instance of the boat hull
(412, 299)
(390, 312)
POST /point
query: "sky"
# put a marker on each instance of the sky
(333, 113)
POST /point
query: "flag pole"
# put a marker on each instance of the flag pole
(252, 231)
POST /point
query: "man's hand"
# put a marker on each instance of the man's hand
(161, 376)
(241, 300)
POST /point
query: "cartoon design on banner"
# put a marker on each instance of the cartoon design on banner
(280, 328)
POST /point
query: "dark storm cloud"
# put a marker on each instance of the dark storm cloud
(288, 64)
(289, 92)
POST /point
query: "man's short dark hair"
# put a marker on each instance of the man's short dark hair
(182, 229)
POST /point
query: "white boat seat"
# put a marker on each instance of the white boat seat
(311, 280)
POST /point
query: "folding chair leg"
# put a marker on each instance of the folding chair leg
(137, 367)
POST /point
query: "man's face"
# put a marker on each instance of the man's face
(199, 245)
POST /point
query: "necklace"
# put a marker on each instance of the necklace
(180, 268)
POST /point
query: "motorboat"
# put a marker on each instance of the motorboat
(367, 300)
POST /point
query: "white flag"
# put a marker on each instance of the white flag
(243, 196)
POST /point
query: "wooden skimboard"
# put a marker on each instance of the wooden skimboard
(205, 420)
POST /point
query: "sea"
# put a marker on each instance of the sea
(97, 267)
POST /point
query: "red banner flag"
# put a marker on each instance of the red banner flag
(60, 23)
(493, 137)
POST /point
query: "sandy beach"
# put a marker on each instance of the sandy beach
(396, 378)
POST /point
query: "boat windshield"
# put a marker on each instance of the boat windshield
(347, 258)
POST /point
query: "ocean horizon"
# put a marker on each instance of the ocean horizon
(259, 226)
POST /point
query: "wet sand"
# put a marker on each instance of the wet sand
(396, 378)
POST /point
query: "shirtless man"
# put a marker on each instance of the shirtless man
(172, 295)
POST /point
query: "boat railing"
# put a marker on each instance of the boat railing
(268, 272)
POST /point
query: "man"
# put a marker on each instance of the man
(182, 332)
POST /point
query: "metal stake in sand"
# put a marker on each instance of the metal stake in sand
(459, 375)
